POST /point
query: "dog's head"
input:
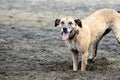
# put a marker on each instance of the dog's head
(68, 27)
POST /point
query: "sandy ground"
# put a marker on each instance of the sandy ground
(31, 47)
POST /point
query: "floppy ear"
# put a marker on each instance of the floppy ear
(57, 22)
(78, 22)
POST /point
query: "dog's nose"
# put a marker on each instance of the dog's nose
(64, 29)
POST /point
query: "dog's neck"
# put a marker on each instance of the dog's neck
(73, 34)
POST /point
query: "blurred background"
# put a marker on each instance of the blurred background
(40, 13)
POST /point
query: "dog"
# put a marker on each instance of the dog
(83, 35)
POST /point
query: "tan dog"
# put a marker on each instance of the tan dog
(84, 35)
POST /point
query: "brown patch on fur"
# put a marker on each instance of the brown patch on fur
(78, 22)
(57, 22)
(118, 11)
(74, 50)
(73, 33)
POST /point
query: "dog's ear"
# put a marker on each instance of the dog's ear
(57, 22)
(78, 22)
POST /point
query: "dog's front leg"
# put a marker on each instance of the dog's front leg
(75, 59)
(84, 61)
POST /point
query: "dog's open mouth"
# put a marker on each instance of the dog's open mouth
(69, 35)
(65, 36)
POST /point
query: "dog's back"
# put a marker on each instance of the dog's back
(104, 19)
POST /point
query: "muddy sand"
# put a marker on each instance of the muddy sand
(31, 47)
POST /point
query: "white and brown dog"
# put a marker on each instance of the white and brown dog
(83, 35)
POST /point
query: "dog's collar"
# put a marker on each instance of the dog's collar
(73, 33)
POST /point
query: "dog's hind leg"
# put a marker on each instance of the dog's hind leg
(75, 59)
(94, 46)
(117, 35)
(116, 30)
(93, 51)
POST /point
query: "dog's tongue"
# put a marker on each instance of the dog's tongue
(65, 36)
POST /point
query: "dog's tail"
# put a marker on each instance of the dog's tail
(118, 11)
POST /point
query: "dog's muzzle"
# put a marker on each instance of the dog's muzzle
(68, 34)
(65, 33)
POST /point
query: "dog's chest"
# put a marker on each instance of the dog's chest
(75, 46)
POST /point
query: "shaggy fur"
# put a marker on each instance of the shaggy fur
(87, 33)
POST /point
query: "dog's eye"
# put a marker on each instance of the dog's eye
(70, 23)
(62, 22)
